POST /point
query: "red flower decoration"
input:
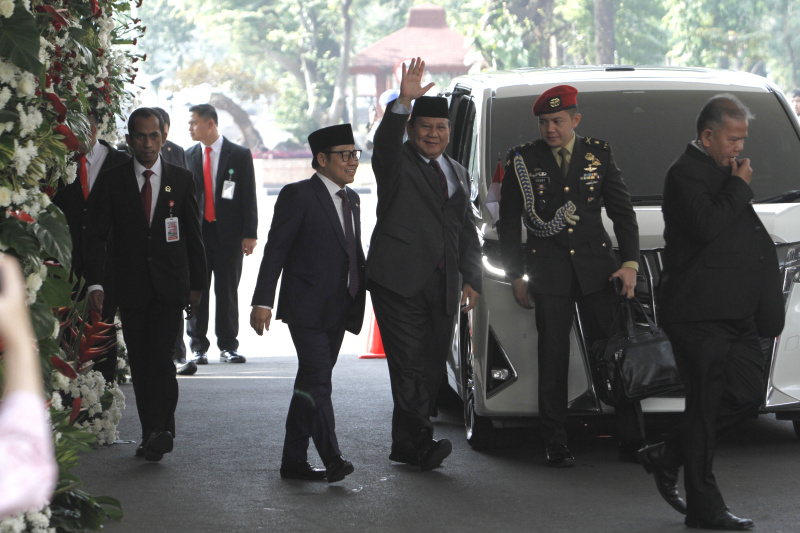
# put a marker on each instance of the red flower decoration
(20, 215)
(76, 409)
(58, 106)
(70, 140)
(64, 367)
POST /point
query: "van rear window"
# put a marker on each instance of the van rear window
(649, 129)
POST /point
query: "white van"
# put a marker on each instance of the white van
(648, 116)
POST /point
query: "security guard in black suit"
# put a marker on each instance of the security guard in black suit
(557, 186)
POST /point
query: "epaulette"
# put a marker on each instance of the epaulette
(520, 149)
(596, 143)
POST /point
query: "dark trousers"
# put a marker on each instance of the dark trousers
(311, 410)
(416, 334)
(554, 319)
(106, 364)
(722, 367)
(149, 334)
(224, 260)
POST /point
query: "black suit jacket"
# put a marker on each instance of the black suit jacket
(719, 261)
(172, 153)
(307, 243)
(146, 266)
(77, 210)
(415, 226)
(586, 247)
(237, 219)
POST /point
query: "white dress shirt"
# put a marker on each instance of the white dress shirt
(155, 182)
(94, 162)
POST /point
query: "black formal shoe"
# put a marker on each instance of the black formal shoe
(338, 469)
(200, 358)
(651, 458)
(185, 368)
(231, 356)
(140, 449)
(158, 444)
(435, 454)
(291, 469)
(628, 450)
(409, 458)
(724, 520)
(559, 456)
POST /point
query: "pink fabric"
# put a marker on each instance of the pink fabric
(28, 469)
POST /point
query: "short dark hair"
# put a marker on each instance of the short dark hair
(314, 162)
(795, 94)
(144, 112)
(205, 111)
(718, 109)
(163, 114)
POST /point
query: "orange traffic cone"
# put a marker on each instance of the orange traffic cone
(374, 342)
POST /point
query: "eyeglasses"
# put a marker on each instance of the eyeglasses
(346, 154)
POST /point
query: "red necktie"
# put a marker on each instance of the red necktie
(83, 175)
(351, 242)
(147, 194)
(210, 215)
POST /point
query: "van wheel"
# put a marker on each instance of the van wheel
(796, 424)
(481, 434)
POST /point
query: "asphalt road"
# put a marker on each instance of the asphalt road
(223, 474)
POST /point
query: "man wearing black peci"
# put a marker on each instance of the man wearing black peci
(720, 292)
(315, 244)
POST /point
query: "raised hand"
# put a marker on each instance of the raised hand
(411, 82)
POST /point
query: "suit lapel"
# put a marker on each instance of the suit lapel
(222, 166)
(356, 208)
(330, 210)
(164, 196)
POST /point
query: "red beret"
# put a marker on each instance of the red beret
(556, 99)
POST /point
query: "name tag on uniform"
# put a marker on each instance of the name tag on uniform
(228, 187)
(173, 229)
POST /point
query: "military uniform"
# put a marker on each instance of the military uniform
(574, 264)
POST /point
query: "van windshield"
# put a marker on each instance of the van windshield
(647, 131)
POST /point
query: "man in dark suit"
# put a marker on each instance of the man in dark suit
(315, 240)
(148, 210)
(566, 180)
(75, 201)
(226, 194)
(424, 257)
(720, 292)
(174, 154)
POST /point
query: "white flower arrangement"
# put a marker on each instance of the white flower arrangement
(92, 387)
(32, 521)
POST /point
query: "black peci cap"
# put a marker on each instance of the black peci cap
(430, 106)
(325, 138)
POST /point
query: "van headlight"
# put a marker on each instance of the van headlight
(789, 260)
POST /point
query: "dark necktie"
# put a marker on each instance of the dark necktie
(442, 178)
(209, 213)
(83, 174)
(147, 194)
(564, 153)
(351, 242)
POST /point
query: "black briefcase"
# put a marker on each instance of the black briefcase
(635, 363)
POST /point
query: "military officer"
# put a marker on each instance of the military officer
(556, 185)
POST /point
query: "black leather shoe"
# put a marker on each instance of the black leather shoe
(559, 456)
(666, 476)
(301, 470)
(409, 458)
(185, 368)
(338, 469)
(158, 444)
(231, 356)
(724, 520)
(140, 449)
(435, 454)
(200, 358)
